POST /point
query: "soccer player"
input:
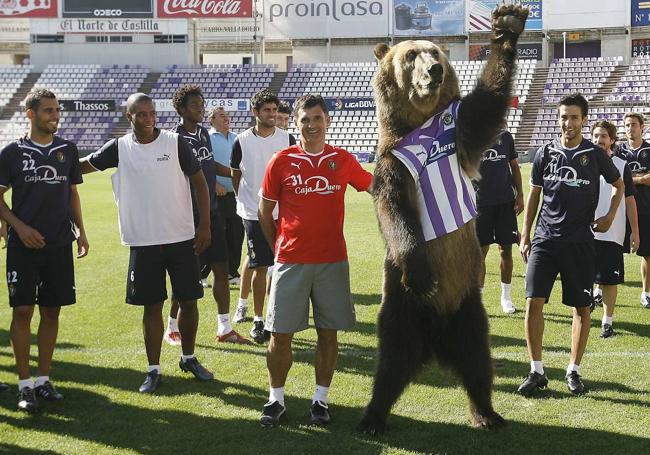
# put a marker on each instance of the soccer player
(567, 172)
(251, 153)
(636, 152)
(609, 245)
(222, 140)
(190, 106)
(42, 170)
(152, 190)
(284, 112)
(308, 183)
(500, 199)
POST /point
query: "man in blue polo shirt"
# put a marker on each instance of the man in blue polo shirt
(45, 218)
(567, 171)
(500, 199)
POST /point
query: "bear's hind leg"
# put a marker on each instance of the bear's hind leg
(401, 354)
(465, 348)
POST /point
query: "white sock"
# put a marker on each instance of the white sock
(40, 380)
(573, 367)
(185, 358)
(505, 291)
(276, 394)
(151, 368)
(320, 394)
(598, 291)
(537, 366)
(607, 319)
(258, 318)
(172, 324)
(223, 324)
(22, 383)
(481, 291)
(243, 303)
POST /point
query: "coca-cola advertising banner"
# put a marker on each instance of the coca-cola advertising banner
(107, 8)
(10, 9)
(205, 8)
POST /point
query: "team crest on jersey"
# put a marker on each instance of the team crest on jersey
(331, 164)
(584, 160)
(643, 155)
(60, 156)
(447, 119)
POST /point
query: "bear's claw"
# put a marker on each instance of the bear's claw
(489, 421)
(509, 19)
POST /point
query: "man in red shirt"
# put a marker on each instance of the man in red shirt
(308, 182)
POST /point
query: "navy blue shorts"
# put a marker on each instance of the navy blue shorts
(259, 251)
(497, 224)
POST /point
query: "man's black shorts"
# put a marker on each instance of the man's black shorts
(218, 249)
(497, 224)
(644, 234)
(575, 262)
(609, 263)
(146, 280)
(259, 252)
(42, 277)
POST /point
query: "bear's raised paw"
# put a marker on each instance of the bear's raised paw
(508, 19)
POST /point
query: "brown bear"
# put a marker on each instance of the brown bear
(430, 144)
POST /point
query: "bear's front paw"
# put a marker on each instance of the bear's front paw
(372, 426)
(489, 421)
(420, 284)
(508, 21)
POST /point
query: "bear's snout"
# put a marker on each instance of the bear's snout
(436, 72)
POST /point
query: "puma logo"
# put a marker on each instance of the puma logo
(296, 165)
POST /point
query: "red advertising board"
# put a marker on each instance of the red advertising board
(27, 8)
(205, 8)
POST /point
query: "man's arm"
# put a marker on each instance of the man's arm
(529, 215)
(75, 212)
(102, 159)
(641, 179)
(235, 162)
(603, 223)
(30, 237)
(236, 178)
(3, 233)
(203, 236)
(516, 179)
(632, 217)
(267, 223)
(223, 171)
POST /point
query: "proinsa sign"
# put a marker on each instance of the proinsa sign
(205, 8)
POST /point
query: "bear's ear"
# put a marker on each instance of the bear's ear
(381, 50)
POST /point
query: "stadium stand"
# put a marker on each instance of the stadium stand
(11, 77)
(634, 85)
(584, 75)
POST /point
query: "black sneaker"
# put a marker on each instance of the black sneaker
(574, 383)
(598, 299)
(267, 335)
(151, 382)
(271, 414)
(3, 387)
(199, 371)
(608, 331)
(532, 382)
(48, 392)
(257, 332)
(27, 400)
(319, 414)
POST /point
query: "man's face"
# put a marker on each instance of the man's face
(220, 120)
(194, 110)
(142, 117)
(312, 123)
(267, 114)
(282, 120)
(600, 136)
(633, 129)
(571, 121)
(45, 117)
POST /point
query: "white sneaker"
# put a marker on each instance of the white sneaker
(173, 338)
(507, 306)
(240, 314)
(205, 284)
(645, 301)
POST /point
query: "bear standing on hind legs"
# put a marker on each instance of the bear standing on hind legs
(430, 145)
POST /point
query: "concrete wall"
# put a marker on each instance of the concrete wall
(353, 52)
(616, 45)
(310, 54)
(227, 59)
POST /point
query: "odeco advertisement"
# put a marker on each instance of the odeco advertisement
(525, 51)
(480, 14)
(429, 18)
(107, 8)
(10, 9)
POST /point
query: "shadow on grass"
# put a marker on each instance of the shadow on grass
(5, 340)
(16, 450)
(95, 418)
(366, 299)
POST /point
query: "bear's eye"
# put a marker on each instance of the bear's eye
(410, 55)
(435, 54)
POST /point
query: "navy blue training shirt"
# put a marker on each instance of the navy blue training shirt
(639, 162)
(570, 182)
(202, 148)
(496, 186)
(40, 179)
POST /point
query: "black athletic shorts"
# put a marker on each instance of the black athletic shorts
(42, 277)
(259, 252)
(497, 224)
(575, 262)
(146, 280)
(218, 249)
(609, 263)
(644, 235)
